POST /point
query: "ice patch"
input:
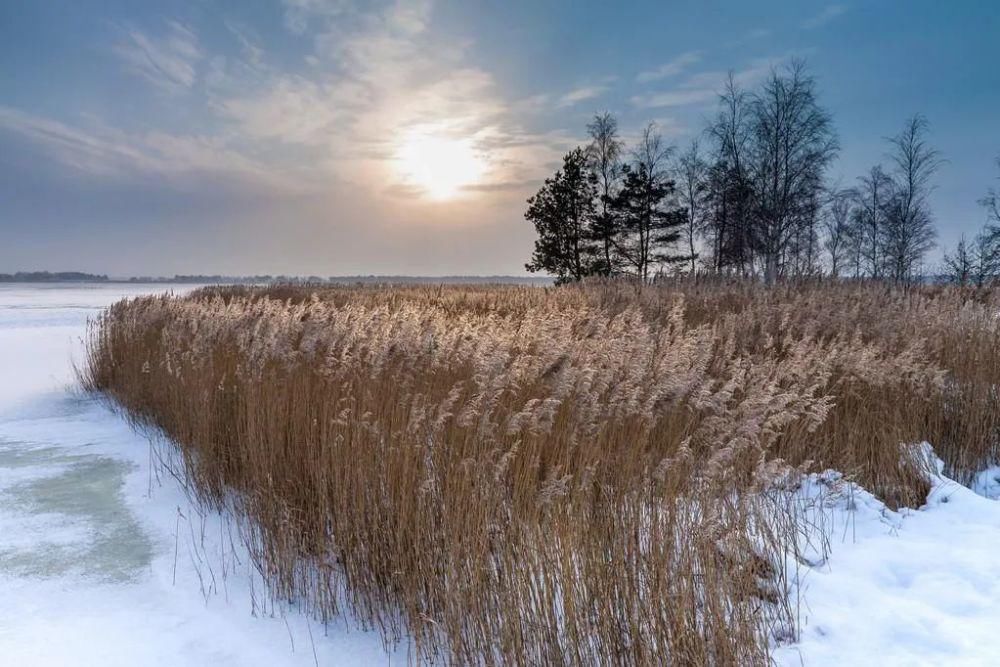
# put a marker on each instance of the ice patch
(104, 561)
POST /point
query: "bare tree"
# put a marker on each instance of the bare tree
(732, 126)
(801, 254)
(910, 229)
(991, 202)
(792, 144)
(977, 263)
(960, 265)
(986, 255)
(837, 225)
(692, 174)
(730, 227)
(605, 156)
(871, 197)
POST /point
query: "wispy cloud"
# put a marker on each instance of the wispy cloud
(252, 52)
(167, 61)
(704, 87)
(581, 94)
(829, 13)
(299, 13)
(102, 151)
(291, 109)
(374, 77)
(675, 98)
(671, 68)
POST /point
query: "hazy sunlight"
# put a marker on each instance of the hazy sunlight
(439, 165)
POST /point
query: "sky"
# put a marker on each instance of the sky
(339, 137)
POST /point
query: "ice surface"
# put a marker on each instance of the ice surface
(103, 561)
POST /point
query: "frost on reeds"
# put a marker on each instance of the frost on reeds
(579, 475)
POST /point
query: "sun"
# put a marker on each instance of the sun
(438, 164)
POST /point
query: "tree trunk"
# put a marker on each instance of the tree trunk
(771, 267)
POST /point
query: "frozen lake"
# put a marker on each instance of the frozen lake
(103, 560)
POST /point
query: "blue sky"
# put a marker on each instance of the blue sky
(286, 137)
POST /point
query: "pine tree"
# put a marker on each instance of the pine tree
(561, 212)
(650, 226)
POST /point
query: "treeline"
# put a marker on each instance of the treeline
(267, 279)
(50, 277)
(219, 279)
(749, 197)
(978, 262)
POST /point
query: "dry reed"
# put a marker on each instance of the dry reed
(579, 475)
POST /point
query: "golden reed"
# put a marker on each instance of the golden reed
(575, 475)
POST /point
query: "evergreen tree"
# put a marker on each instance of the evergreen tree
(650, 223)
(561, 212)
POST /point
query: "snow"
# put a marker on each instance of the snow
(987, 483)
(913, 587)
(89, 533)
(89, 529)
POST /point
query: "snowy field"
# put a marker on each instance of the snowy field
(104, 561)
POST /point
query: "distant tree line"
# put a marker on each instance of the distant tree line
(267, 279)
(51, 277)
(749, 198)
(978, 262)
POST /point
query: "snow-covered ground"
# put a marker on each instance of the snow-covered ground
(105, 562)
(102, 561)
(913, 587)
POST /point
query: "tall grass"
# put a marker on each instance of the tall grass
(579, 475)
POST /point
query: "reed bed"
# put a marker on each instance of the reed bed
(575, 475)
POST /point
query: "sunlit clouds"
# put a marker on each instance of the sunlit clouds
(379, 101)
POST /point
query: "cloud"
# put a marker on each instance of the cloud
(252, 53)
(532, 105)
(829, 13)
(503, 186)
(580, 95)
(299, 13)
(672, 68)
(103, 151)
(675, 98)
(291, 109)
(167, 62)
(373, 78)
(704, 87)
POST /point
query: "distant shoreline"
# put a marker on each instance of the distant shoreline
(46, 277)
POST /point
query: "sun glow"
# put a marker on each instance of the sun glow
(439, 165)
